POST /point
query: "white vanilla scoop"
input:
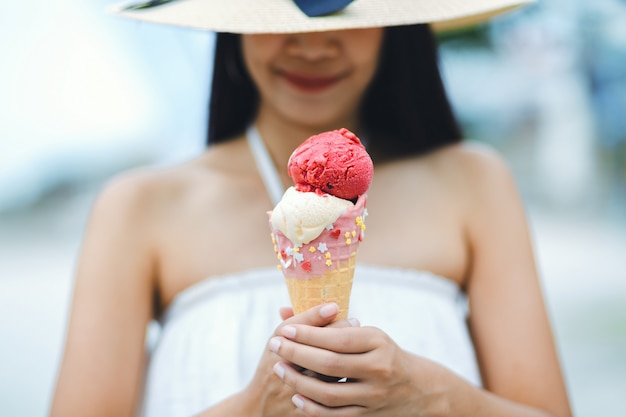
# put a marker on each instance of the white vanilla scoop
(303, 216)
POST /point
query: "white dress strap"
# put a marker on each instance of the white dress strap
(264, 163)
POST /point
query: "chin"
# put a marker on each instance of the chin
(319, 118)
(319, 124)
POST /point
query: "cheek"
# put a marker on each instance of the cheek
(368, 66)
(259, 51)
(251, 58)
(260, 48)
(365, 50)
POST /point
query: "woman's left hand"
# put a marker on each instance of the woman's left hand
(382, 379)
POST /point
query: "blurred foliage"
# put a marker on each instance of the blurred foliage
(477, 37)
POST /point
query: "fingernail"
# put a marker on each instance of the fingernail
(289, 331)
(274, 344)
(297, 401)
(279, 370)
(354, 322)
(329, 310)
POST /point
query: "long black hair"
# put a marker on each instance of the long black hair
(405, 110)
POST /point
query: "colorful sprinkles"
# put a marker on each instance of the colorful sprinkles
(306, 256)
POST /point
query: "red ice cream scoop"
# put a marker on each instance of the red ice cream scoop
(334, 162)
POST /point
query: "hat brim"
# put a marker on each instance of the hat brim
(283, 16)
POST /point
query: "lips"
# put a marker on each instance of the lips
(310, 82)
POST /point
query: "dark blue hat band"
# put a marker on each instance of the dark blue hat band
(313, 8)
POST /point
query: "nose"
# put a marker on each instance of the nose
(313, 46)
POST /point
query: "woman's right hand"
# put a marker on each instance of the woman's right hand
(267, 395)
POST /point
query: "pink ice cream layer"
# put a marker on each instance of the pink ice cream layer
(332, 247)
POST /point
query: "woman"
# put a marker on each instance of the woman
(189, 245)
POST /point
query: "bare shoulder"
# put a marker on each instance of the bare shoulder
(129, 190)
(475, 169)
(153, 189)
(472, 160)
(465, 173)
(135, 194)
(484, 178)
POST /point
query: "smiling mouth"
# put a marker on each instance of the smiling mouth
(310, 83)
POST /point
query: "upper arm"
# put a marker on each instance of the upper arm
(508, 319)
(112, 304)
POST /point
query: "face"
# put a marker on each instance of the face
(315, 79)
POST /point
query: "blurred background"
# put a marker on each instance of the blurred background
(85, 95)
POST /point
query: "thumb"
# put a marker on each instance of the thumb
(320, 315)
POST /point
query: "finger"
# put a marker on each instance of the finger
(351, 322)
(311, 408)
(340, 339)
(285, 313)
(334, 394)
(320, 315)
(320, 361)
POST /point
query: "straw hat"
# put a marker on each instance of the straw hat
(292, 16)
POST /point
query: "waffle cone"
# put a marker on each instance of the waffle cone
(333, 286)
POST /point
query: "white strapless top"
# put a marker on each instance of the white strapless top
(212, 336)
(209, 341)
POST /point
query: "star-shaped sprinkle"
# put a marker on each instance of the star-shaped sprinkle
(322, 247)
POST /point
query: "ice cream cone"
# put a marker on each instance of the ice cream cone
(319, 222)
